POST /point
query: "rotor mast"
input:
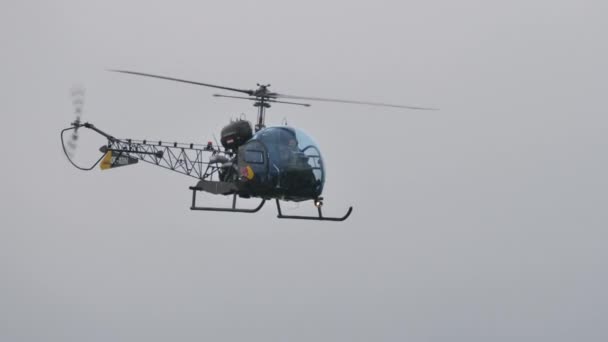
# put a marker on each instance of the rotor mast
(262, 105)
(262, 102)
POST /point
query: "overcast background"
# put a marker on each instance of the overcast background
(484, 221)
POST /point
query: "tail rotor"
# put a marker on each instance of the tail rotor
(77, 93)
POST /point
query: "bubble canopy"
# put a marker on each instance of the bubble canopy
(294, 158)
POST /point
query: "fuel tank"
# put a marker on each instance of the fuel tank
(236, 134)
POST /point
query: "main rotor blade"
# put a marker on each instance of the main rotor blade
(285, 96)
(237, 97)
(291, 103)
(245, 91)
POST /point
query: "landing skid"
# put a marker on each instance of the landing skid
(233, 209)
(315, 218)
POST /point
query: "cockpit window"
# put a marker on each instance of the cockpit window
(309, 149)
(254, 156)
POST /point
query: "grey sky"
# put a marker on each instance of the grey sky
(483, 221)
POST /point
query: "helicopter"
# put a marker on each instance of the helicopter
(279, 163)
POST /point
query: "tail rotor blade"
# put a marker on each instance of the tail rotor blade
(77, 93)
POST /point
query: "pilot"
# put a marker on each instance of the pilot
(288, 152)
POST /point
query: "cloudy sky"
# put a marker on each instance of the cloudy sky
(485, 220)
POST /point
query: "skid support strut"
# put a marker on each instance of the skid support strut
(233, 209)
(316, 218)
